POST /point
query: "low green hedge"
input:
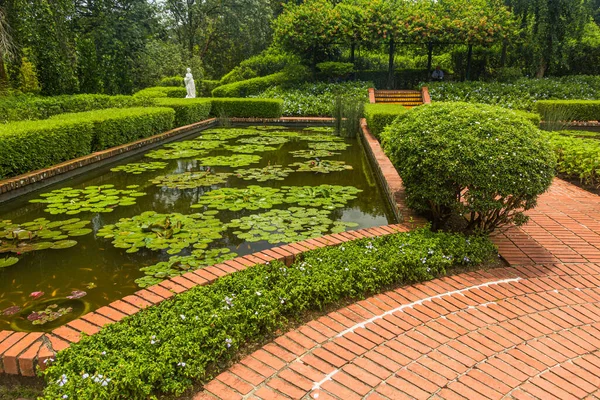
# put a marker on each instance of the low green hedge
(379, 116)
(578, 158)
(166, 348)
(187, 111)
(162, 91)
(532, 117)
(171, 81)
(249, 86)
(246, 108)
(207, 86)
(29, 145)
(20, 108)
(569, 110)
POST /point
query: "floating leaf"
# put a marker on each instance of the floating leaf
(226, 133)
(77, 294)
(330, 146)
(11, 310)
(249, 148)
(138, 168)
(270, 172)
(327, 196)
(264, 140)
(36, 235)
(191, 180)
(312, 153)
(320, 129)
(175, 154)
(51, 313)
(236, 160)
(63, 244)
(249, 198)
(321, 166)
(268, 127)
(320, 138)
(7, 262)
(172, 232)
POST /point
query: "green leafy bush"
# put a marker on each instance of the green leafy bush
(577, 157)
(249, 86)
(20, 108)
(162, 91)
(246, 108)
(171, 81)
(316, 99)
(532, 117)
(187, 111)
(572, 110)
(29, 145)
(207, 86)
(333, 69)
(381, 115)
(165, 348)
(481, 162)
(522, 94)
(239, 73)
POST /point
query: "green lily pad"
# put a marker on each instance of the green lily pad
(249, 148)
(138, 168)
(236, 160)
(172, 232)
(320, 129)
(285, 226)
(312, 153)
(7, 262)
(249, 198)
(39, 234)
(175, 154)
(321, 166)
(63, 244)
(327, 196)
(270, 172)
(320, 138)
(191, 180)
(330, 146)
(226, 133)
(264, 140)
(93, 198)
(268, 127)
(196, 144)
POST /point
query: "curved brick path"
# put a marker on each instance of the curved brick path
(527, 332)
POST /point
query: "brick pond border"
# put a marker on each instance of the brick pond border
(21, 353)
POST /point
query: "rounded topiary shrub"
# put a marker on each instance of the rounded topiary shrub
(485, 163)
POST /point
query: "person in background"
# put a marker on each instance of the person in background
(438, 74)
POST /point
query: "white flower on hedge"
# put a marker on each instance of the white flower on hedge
(228, 342)
(65, 396)
(258, 293)
(63, 380)
(103, 353)
(182, 317)
(85, 376)
(181, 364)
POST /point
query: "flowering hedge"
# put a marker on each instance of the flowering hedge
(165, 348)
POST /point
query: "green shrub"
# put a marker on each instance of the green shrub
(249, 86)
(381, 115)
(29, 145)
(207, 86)
(171, 81)
(162, 91)
(333, 70)
(481, 162)
(270, 61)
(532, 117)
(246, 108)
(578, 158)
(187, 111)
(508, 74)
(114, 127)
(571, 110)
(20, 108)
(239, 73)
(166, 348)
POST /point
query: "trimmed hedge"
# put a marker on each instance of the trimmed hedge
(246, 108)
(191, 337)
(569, 110)
(532, 117)
(162, 91)
(207, 86)
(578, 158)
(249, 86)
(379, 116)
(171, 81)
(29, 145)
(21, 108)
(187, 111)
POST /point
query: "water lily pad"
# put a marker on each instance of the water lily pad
(284, 226)
(196, 144)
(226, 133)
(320, 129)
(172, 232)
(63, 244)
(249, 198)
(236, 160)
(11, 310)
(191, 180)
(51, 313)
(38, 234)
(178, 265)
(264, 140)
(326, 196)
(139, 168)
(270, 172)
(321, 166)
(321, 138)
(175, 154)
(249, 148)
(268, 127)
(312, 153)
(330, 146)
(77, 294)
(7, 262)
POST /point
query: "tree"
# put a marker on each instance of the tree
(353, 19)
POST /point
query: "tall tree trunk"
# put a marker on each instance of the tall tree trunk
(429, 56)
(352, 59)
(504, 53)
(3, 75)
(313, 65)
(469, 57)
(541, 70)
(391, 64)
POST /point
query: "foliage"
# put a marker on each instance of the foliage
(379, 116)
(203, 328)
(235, 199)
(139, 168)
(19, 108)
(191, 180)
(184, 149)
(321, 166)
(154, 231)
(573, 110)
(268, 62)
(329, 197)
(311, 153)
(187, 111)
(335, 70)
(249, 148)
(481, 162)
(522, 94)
(264, 140)
(175, 81)
(577, 157)
(247, 108)
(235, 160)
(95, 199)
(270, 172)
(223, 134)
(162, 91)
(316, 99)
(254, 86)
(330, 146)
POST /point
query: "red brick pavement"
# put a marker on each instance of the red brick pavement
(531, 331)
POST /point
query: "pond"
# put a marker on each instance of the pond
(80, 244)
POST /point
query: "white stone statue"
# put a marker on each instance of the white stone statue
(190, 86)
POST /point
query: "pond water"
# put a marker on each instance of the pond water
(78, 245)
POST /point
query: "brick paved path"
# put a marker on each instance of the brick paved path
(531, 331)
